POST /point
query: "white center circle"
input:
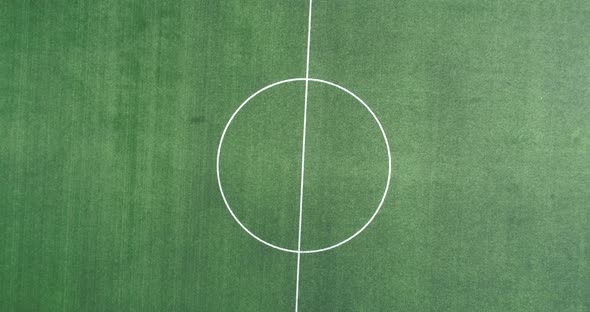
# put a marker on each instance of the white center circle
(378, 206)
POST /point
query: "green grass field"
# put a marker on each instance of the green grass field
(111, 114)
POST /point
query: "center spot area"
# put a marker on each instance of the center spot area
(345, 165)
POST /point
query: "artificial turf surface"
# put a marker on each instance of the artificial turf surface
(111, 114)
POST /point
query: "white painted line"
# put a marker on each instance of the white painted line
(218, 170)
(303, 157)
(306, 79)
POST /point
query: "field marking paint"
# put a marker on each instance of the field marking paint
(311, 250)
(306, 80)
(303, 157)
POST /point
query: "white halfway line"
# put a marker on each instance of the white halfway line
(303, 158)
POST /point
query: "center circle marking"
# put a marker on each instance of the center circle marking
(311, 250)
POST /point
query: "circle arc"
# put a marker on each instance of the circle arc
(310, 251)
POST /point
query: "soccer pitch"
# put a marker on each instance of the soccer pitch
(236, 155)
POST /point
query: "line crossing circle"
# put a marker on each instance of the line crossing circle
(311, 250)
